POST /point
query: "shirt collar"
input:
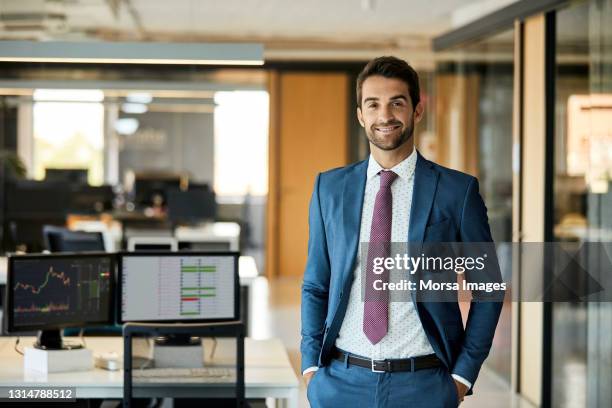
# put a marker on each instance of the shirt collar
(404, 169)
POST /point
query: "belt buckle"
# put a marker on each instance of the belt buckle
(374, 370)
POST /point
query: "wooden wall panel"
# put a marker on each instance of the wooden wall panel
(456, 112)
(312, 136)
(532, 201)
(273, 176)
(517, 133)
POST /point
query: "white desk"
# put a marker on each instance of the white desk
(226, 233)
(212, 233)
(268, 372)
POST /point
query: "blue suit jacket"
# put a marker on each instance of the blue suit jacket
(446, 207)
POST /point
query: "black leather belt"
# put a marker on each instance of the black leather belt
(389, 366)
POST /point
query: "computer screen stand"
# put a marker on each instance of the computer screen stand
(177, 340)
(50, 355)
(178, 350)
(52, 340)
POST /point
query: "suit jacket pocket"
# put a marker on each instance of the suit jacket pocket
(433, 223)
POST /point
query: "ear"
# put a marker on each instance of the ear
(360, 117)
(419, 111)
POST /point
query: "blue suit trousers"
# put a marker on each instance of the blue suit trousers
(342, 385)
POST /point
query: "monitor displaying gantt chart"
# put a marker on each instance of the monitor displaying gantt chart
(177, 287)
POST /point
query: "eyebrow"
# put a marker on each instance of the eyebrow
(372, 98)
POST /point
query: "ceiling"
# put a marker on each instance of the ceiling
(289, 29)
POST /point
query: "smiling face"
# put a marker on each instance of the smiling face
(386, 113)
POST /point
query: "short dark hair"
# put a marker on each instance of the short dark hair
(391, 67)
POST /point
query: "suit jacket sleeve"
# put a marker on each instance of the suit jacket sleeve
(484, 312)
(315, 287)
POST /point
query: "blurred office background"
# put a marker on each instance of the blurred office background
(517, 93)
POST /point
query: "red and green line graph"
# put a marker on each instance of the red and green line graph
(48, 308)
(61, 276)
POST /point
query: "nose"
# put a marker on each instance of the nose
(385, 115)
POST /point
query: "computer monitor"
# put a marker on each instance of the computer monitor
(28, 199)
(59, 239)
(29, 205)
(86, 199)
(179, 287)
(149, 186)
(54, 291)
(76, 176)
(191, 206)
(152, 244)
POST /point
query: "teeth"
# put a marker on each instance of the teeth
(386, 129)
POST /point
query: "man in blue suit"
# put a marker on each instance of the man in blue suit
(357, 353)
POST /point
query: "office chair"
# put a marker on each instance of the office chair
(234, 329)
(59, 239)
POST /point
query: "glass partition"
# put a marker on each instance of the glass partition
(473, 101)
(581, 345)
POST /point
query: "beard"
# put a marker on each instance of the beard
(390, 143)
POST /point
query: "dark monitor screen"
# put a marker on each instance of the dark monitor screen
(145, 189)
(192, 205)
(152, 247)
(59, 290)
(87, 199)
(36, 199)
(179, 287)
(77, 176)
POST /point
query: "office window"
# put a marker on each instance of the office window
(69, 132)
(581, 347)
(241, 143)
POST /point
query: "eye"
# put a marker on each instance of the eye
(372, 106)
(398, 103)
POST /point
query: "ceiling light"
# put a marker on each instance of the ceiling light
(126, 126)
(135, 108)
(68, 95)
(132, 53)
(139, 97)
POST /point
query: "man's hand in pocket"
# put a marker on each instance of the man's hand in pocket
(308, 377)
(461, 389)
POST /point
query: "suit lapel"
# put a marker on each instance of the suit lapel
(352, 203)
(425, 184)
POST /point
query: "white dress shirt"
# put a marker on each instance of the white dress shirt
(405, 337)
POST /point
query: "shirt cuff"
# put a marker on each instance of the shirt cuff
(310, 370)
(458, 378)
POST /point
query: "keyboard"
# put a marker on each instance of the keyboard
(200, 374)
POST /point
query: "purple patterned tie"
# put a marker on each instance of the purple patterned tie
(376, 307)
